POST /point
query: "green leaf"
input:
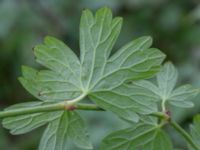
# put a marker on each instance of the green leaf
(58, 132)
(126, 100)
(98, 35)
(59, 58)
(142, 136)
(48, 85)
(97, 72)
(26, 123)
(195, 131)
(166, 91)
(167, 79)
(181, 94)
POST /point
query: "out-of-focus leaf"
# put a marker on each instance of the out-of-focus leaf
(166, 91)
(26, 123)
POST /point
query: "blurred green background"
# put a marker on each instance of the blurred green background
(173, 24)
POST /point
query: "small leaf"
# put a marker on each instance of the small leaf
(26, 123)
(59, 131)
(142, 136)
(167, 79)
(166, 90)
(180, 96)
(48, 85)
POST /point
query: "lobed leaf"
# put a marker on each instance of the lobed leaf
(59, 58)
(126, 100)
(69, 126)
(166, 90)
(142, 136)
(47, 85)
(103, 77)
(97, 72)
(98, 35)
(26, 123)
(167, 79)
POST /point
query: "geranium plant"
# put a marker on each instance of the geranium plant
(115, 82)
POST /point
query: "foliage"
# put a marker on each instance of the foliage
(195, 130)
(114, 82)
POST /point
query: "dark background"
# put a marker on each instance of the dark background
(173, 24)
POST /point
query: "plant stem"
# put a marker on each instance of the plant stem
(47, 108)
(160, 115)
(187, 137)
(57, 107)
(88, 107)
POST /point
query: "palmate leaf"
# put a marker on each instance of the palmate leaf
(142, 136)
(62, 126)
(97, 72)
(68, 126)
(26, 123)
(166, 91)
(195, 131)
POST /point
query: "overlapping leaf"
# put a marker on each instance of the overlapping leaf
(127, 100)
(62, 127)
(97, 72)
(26, 123)
(59, 131)
(195, 131)
(142, 136)
(166, 91)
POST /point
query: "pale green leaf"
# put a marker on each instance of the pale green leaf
(77, 131)
(98, 34)
(166, 90)
(26, 123)
(68, 127)
(167, 79)
(142, 136)
(97, 72)
(58, 57)
(48, 85)
(126, 100)
(181, 94)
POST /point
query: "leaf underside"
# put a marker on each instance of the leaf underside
(97, 72)
(142, 136)
(165, 89)
(26, 123)
(61, 127)
(103, 77)
(195, 131)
